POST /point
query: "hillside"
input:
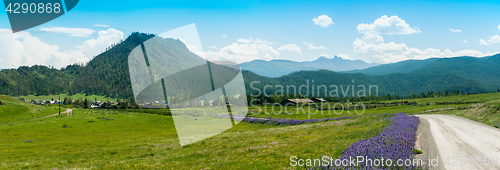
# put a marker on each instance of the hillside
(482, 70)
(36, 80)
(277, 68)
(394, 84)
(108, 74)
(399, 67)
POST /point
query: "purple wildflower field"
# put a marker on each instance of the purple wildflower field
(395, 142)
(284, 122)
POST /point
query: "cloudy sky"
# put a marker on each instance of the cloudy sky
(372, 31)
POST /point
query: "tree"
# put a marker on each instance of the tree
(133, 104)
(65, 101)
(124, 105)
(86, 104)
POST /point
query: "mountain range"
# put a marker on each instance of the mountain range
(399, 67)
(277, 68)
(108, 74)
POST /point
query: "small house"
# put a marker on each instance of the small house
(293, 102)
(318, 100)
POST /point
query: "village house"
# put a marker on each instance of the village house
(318, 100)
(293, 102)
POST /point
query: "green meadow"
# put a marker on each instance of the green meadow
(147, 139)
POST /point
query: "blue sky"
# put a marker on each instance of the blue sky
(373, 31)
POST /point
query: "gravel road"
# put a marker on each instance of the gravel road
(453, 138)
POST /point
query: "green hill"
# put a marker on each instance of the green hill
(394, 84)
(482, 70)
(399, 67)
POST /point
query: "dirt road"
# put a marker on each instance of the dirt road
(69, 113)
(454, 138)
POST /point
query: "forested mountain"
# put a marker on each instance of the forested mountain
(484, 70)
(277, 68)
(399, 67)
(108, 74)
(394, 84)
(36, 80)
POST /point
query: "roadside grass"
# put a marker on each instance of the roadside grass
(73, 97)
(463, 98)
(487, 113)
(109, 139)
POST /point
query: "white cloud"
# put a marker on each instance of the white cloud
(374, 49)
(74, 32)
(23, 49)
(322, 20)
(343, 56)
(498, 27)
(388, 25)
(242, 40)
(465, 41)
(455, 30)
(214, 47)
(244, 51)
(101, 25)
(223, 36)
(193, 48)
(257, 41)
(290, 47)
(482, 42)
(494, 39)
(324, 55)
(310, 45)
(105, 39)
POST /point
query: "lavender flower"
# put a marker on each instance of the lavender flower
(395, 142)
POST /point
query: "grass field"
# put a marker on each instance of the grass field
(15, 111)
(145, 139)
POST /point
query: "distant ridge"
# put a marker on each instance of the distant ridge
(277, 68)
(399, 67)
